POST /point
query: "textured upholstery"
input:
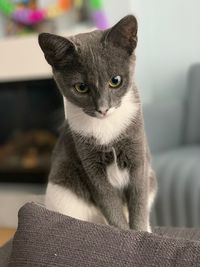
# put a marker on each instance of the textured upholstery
(5, 253)
(45, 238)
(178, 173)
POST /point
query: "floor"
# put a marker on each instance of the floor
(6, 234)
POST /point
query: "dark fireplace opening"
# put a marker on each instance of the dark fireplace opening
(31, 113)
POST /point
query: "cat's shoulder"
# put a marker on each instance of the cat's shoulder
(64, 141)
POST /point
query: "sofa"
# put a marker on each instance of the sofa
(173, 132)
(46, 238)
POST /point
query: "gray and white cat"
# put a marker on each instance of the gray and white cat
(101, 169)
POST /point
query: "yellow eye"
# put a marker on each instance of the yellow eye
(81, 88)
(115, 82)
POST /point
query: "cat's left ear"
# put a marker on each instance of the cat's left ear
(124, 34)
(58, 50)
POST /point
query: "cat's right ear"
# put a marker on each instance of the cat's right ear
(58, 50)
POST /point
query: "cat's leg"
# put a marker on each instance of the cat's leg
(111, 206)
(104, 195)
(137, 195)
(107, 199)
(65, 201)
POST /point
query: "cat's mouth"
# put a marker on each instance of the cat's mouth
(101, 116)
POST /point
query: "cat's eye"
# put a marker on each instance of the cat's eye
(81, 88)
(115, 81)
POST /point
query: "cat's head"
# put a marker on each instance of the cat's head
(94, 70)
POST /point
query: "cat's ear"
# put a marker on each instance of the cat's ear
(124, 34)
(58, 50)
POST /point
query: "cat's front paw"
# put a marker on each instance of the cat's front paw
(143, 228)
(149, 229)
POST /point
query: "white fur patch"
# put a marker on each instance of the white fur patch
(152, 192)
(117, 178)
(126, 213)
(151, 199)
(105, 129)
(63, 200)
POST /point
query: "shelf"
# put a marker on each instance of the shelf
(22, 59)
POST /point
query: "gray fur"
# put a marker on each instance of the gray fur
(79, 163)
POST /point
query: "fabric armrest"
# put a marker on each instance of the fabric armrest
(46, 238)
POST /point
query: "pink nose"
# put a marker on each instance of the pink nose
(103, 111)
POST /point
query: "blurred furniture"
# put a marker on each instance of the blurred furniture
(29, 129)
(173, 132)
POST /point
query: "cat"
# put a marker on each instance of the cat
(101, 170)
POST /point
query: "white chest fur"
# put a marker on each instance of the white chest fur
(104, 130)
(118, 178)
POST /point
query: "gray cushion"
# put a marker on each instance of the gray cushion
(46, 238)
(5, 253)
(192, 117)
(178, 200)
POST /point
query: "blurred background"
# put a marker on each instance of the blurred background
(167, 74)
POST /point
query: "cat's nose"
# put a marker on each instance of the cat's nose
(103, 111)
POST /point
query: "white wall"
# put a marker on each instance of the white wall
(169, 42)
(117, 9)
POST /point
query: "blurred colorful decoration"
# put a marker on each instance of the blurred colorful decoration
(7, 7)
(78, 3)
(27, 13)
(98, 14)
(28, 16)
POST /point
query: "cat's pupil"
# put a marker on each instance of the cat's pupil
(116, 80)
(82, 87)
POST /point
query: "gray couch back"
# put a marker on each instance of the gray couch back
(164, 125)
(192, 131)
(172, 124)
